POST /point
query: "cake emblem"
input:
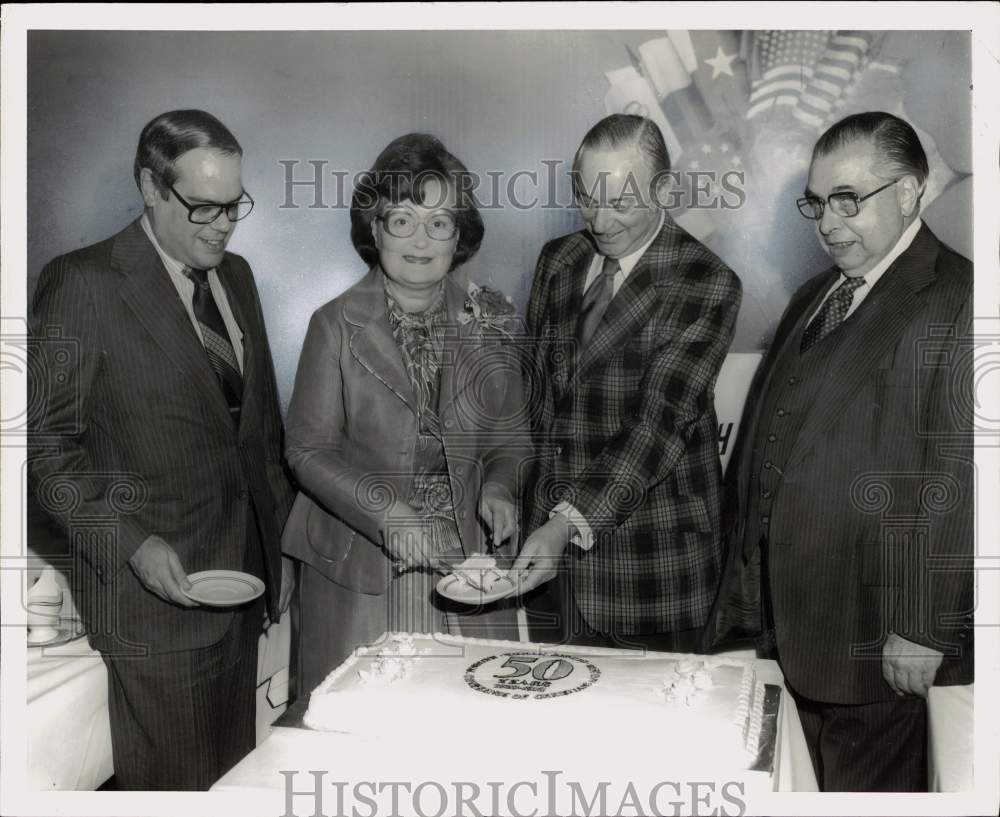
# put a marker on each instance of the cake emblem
(531, 675)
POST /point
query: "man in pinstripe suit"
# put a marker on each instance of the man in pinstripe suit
(158, 452)
(853, 482)
(623, 499)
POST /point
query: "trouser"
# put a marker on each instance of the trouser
(554, 617)
(180, 720)
(880, 746)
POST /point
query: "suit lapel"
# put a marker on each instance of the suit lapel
(150, 294)
(240, 302)
(870, 333)
(566, 272)
(372, 342)
(634, 302)
(461, 345)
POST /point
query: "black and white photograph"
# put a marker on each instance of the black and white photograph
(500, 409)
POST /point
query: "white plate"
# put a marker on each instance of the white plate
(223, 588)
(457, 589)
(68, 630)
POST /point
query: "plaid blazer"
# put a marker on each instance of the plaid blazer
(626, 430)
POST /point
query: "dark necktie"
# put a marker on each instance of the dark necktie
(217, 344)
(831, 314)
(595, 301)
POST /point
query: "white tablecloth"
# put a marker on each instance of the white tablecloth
(69, 739)
(950, 736)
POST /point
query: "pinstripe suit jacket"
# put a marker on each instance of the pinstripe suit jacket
(627, 432)
(132, 437)
(871, 522)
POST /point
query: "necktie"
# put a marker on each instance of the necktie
(595, 301)
(831, 314)
(217, 344)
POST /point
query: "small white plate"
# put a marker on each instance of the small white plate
(223, 588)
(68, 630)
(457, 589)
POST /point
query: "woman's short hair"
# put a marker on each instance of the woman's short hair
(400, 173)
(170, 135)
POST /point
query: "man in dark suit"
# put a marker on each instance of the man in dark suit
(852, 487)
(157, 449)
(632, 319)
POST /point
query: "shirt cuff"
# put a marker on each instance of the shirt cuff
(580, 533)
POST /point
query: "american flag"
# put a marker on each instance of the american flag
(805, 71)
(842, 61)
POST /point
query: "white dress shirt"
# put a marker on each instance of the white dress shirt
(581, 534)
(871, 277)
(185, 289)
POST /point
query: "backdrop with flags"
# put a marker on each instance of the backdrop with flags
(741, 110)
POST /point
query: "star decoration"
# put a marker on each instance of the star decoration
(706, 149)
(695, 165)
(724, 147)
(737, 161)
(721, 63)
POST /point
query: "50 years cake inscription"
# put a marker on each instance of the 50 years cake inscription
(531, 675)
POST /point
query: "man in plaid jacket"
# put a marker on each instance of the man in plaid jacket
(631, 320)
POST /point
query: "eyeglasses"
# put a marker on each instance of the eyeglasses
(207, 213)
(402, 224)
(846, 204)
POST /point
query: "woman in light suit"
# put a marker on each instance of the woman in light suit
(406, 429)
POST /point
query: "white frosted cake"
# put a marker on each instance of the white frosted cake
(702, 713)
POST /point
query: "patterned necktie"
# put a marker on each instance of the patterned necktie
(595, 301)
(217, 344)
(831, 314)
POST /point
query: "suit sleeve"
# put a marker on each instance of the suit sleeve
(316, 446)
(277, 476)
(676, 390)
(64, 370)
(508, 446)
(936, 599)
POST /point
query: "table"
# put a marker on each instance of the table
(302, 751)
(69, 737)
(950, 737)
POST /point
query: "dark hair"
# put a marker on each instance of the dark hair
(627, 130)
(400, 173)
(170, 135)
(894, 140)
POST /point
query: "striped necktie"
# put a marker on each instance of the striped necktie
(217, 344)
(595, 301)
(831, 314)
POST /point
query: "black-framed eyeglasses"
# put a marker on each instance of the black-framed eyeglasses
(207, 213)
(440, 226)
(846, 204)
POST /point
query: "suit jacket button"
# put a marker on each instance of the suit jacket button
(244, 494)
(449, 423)
(460, 470)
(771, 438)
(768, 465)
(782, 412)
